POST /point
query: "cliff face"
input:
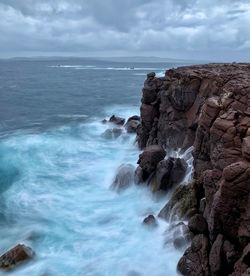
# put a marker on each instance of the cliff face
(207, 107)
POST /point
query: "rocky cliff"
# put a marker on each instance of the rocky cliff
(207, 107)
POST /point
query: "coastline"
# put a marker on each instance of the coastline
(205, 107)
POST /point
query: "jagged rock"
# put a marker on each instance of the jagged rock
(116, 120)
(150, 221)
(149, 159)
(112, 133)
(15, 256)
(182, 201)
(197, 224)
(195, 259)
(124, 177)
(169, 173)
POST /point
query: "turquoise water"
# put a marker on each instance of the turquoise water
(55, 177)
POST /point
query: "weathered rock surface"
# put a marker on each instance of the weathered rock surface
(15, 256)
(207, 107)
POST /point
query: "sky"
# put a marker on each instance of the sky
(217, 30)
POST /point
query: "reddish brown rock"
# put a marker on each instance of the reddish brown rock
(195, 259)
(207, 107)
(15, 256)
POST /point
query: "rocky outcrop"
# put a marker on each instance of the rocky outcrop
(207, 107)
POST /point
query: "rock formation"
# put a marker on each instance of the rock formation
(207, 107)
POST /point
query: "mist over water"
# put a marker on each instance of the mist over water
(56, 169)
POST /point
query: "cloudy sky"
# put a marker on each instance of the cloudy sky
(202, 29)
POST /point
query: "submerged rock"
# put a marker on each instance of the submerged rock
(15, 256)
(112, 133)
(150, 221)
(117, 120)
(178, 234)
(124, 177)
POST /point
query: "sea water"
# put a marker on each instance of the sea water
(56, 169)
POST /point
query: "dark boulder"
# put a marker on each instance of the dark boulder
(15, 256)
(150, 221)
(150, 157)
(197, 224)
(169, 173)
(117, 120)
(112, 133)
(124, 177)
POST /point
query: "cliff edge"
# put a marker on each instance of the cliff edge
(206, 107)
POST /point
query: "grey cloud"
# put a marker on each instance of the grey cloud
(164, 27)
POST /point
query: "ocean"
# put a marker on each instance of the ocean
(56, 169)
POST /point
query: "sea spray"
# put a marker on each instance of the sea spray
(62, 207)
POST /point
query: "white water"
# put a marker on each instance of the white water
(88, 67)
(58, 202)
